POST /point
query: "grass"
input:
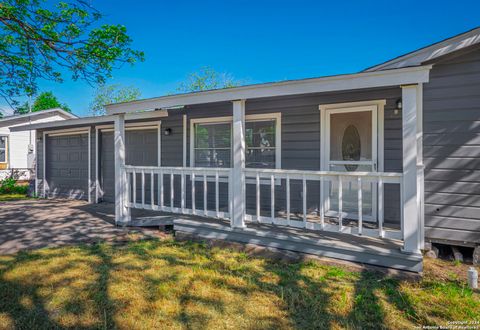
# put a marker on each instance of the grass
(168, 284)
(12, 197)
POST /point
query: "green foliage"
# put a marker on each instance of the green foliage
(47, 100)
(10, 186)
(43, 101)
(206, 79)
(40, 40)
(107, 94)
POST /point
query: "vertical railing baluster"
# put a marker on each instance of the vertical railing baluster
(288, 198)
(340, 203)
(194, 211)
(172, 190)
(143, 188)
(128, 188)
(217, 203)
(380, 208)
(183, 191)
(360, 206)
(304, 193)
(272, 197)
(205, 193)
(151, 190)
(257, 196)
(158, 189)
(322, 203)
(134, 183)
(162, 199)
(402, 220)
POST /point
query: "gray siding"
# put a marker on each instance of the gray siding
(141, 150)
(300, 141)
(452, 149)
(300, 145)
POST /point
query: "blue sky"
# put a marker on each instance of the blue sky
(262, 41)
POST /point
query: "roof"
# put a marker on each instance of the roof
(86, 121)
(383, 78)
(431, 52)
(35, 115)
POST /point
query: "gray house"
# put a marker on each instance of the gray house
(365, 167)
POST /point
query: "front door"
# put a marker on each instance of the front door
(351, 146)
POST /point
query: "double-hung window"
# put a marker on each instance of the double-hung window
(212, 144)
(260, 140)
(3, 149)
(212, 141)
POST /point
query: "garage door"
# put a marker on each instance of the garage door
(141, 150)
(67, 165)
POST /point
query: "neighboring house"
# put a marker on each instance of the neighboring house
(364, 167)
(17, 149)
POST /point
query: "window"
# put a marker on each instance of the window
(260, 143)
(212, 146)
(3, 149)
(212, 141)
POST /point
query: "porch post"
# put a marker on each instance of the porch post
(238, 178)
(121, 212)
(411, 225)
(420, 167)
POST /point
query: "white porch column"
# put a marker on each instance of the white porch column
(122, 215)
(411, 225)
(238, 178)
(420, 167)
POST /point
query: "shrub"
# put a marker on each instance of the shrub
(10, 186)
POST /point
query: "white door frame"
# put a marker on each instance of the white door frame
(377, 108)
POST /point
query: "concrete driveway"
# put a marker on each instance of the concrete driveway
(33, 224)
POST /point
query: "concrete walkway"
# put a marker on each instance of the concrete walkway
(33, 224)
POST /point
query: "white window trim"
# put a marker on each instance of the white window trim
(277, 116)
(7, 149)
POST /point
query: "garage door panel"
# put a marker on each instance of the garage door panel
(67, 166)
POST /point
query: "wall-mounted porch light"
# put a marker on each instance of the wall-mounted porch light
(167, 131)
(399, 107)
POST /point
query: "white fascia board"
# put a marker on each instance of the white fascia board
(91, 120)
(397, 77)
(431, 52)
(32, 116)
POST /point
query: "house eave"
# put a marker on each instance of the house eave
(431, 52)
(386, 78)
(33, 115)
(88, 121)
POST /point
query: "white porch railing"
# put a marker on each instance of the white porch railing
(284, 178)
(165, 189)
(208, 192)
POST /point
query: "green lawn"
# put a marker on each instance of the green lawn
(12, 197)
(167, 284)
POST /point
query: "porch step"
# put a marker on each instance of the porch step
(152, 221)
(365, 250)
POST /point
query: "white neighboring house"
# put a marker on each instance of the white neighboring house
(17, 149)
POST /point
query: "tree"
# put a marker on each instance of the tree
(205, 79)
(107, 94)
(43, 101)
(40, 40)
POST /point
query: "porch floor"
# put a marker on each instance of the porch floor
(361, 249)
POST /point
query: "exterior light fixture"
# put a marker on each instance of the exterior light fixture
(167, 131)
(399, 107)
